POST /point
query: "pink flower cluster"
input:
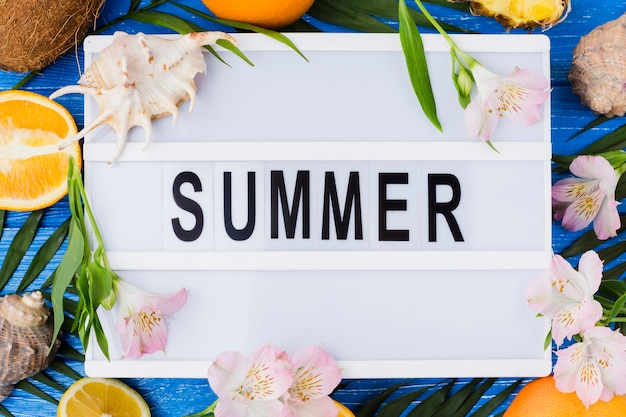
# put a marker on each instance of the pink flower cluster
(588, 197)
(271, 383)
(595, 365)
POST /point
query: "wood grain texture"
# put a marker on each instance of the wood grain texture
(177, 397)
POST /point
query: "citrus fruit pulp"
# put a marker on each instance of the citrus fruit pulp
(33, 171)
(270, 14)
(101, 397)
(541, 398)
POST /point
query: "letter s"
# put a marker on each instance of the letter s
(188, 205)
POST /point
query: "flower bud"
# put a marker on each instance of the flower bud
(464, 82)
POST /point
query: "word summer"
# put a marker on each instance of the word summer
(316, 208)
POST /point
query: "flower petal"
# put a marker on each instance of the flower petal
(517, 95)
(593, 167)
(590, 266)
(607, 220)
(171, 303)
(575, 370)
(316, 374)
(221, 370)
(319, 407)
(575, 319)
(569, 190)
(479, 121)
(595, 368)
(581, 212)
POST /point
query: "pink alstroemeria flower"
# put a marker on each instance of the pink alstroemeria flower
(140, 322)
(591, 197)
(595, 368)
(566, 295)
(518, 96)
(251, 387)
(316, 375)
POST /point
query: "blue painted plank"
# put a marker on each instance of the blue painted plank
(176, 397)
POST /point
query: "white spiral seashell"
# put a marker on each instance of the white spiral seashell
(139, 78)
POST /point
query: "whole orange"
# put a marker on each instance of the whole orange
(270, 14)
(541, 398)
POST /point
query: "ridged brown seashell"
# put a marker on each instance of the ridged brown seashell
(598, 71)
(26, 331)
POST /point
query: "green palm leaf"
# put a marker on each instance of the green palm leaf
(615, 272)
(365, 16)
(492, 404)
(438, 400)
(44, 255)
(428, 406)
(5, 412)
(30, 388)
(613, 141)
(18, 247)
(369, 409)
(63, 368)
(474, 396)
(594, 123)
(588, 241)
(2, 215)
(397, 406)
(22, 243)
(339, 14)
(45, 379)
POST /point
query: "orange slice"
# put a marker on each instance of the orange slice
(99, 397)
(33, 171)
(541, 398)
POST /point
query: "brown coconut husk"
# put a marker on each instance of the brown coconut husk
(34, 33)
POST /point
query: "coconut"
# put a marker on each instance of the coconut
(36, 32)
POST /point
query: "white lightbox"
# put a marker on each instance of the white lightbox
(311, 202)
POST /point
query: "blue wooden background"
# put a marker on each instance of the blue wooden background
(176, 397)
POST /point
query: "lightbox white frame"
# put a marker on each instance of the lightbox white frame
(98, 152)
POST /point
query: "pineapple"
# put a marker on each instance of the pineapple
(527, 14)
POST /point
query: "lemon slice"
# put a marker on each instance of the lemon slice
(343, 410)
(101, 397)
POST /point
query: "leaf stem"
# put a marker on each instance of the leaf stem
(469, 60)
(78, 183)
